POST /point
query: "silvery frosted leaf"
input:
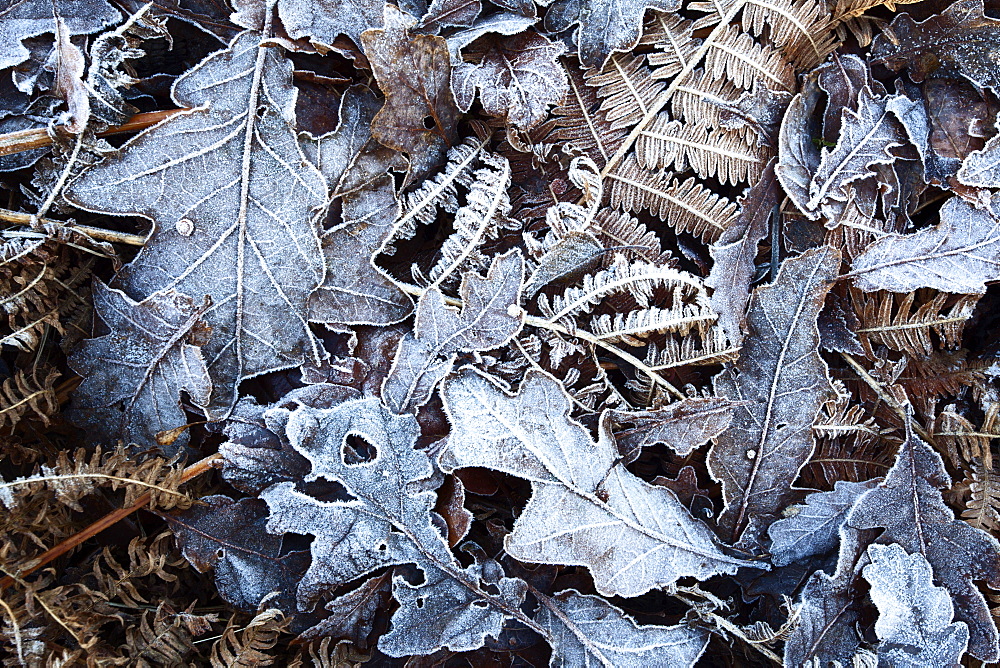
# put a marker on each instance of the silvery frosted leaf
(735, 254)
(352, 616)
(814, 528)
(982, 168)
(134, 375)
(867, 138)
(443, 612)
(912, 112)
(682, 426)
(798, 157)
(960, 254)
(783, 381)
(355, 291)
(385, 521)
(21, 19)
(489, 318)
(319, 21)
(229, 537)
(605, 25)
(586, 508)
(457, 13)
(234, 203)
(586, 630)
(914, 622)
(909, 507)
(518, 77)
(578, 253)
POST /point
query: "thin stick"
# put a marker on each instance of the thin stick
(93, 232)
(27, 140)
(109, 520)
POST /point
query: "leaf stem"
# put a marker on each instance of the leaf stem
(98, 233)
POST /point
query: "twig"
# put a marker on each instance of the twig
(27, 140)
(109, 520)
(93, 232)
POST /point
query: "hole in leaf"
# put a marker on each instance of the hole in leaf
(357, 450)
(429, 122)
(420, 601)
(479, 604)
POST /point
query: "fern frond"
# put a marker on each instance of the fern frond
(440, 193)
(578, 121)
(675, 43)
(637, 279)
(712, 347)
(249, 646)
(843, 419)
(22, 393)
(486, 209)
(629, 327)
(619, 229)
(703, 98)
(687, 207)
(801, 28)
(741, 59)
(900, 327)
(627, 88)
(964, 443)
(160, 641)
(73, 478)
(711, 153)
(983, 505)
(850, 15)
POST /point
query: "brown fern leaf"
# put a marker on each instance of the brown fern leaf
(687, 207)
(160, 639)
(673, 38)
(738, 57)
(983, 503)
(890, 320)
(702, 97)
(710, 347)
(962, 441)
(248, 646)
(617, 229)
(627, 88)
(849, 15)
(72, 478)
(23, 393)
(940, 374)
(710, 153)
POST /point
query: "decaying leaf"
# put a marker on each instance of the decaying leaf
(134, 375)
(605, 26)
(585, 507)
(414, 73)
(914, 625)
(681, 426)
(22, 19)
(782, 381)
(245, 235)
(960, 254)
(960, 41)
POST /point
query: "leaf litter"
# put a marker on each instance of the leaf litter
(518, 333)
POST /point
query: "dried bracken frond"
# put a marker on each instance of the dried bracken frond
(249, 645)
(70, 479)
(687, 207)
(25, 394)
(161, 638)
(906, 322)
(726, 156)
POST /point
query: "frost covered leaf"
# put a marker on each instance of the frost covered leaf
(982, 168)
(385, 522)
(814, 528)
(457, 13)
(908, 505)
(914, 623)
(914, 115)
(586, 508)
(229, 537)
(682, 426)
(605, 25)
(960, 41)
(134, 375)
(414, 73)
(829, 610)
(356, 291)
(586, 630)
(489, 318)
(735, 253)
(353, 614)
(960, 254)
(21, 19)
(319, 21)
(867, 138)
(783, 381)
(798, 157)
(234, 204)
(518, 77)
